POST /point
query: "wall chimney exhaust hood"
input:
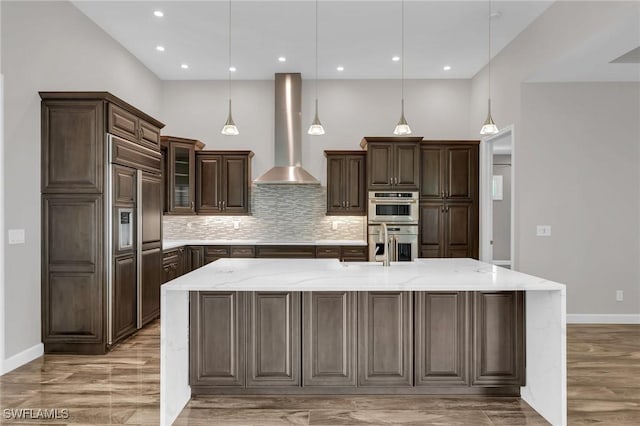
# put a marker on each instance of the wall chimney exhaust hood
(288, 134)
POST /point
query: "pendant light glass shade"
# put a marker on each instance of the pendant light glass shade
(316, 128)
(489, 127)
(402, 128)
(229, 128)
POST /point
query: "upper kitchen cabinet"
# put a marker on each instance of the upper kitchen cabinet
(133, 128)
(180, 174)
(346, 183)
(449, 170)
(393, 163)
(223, 181)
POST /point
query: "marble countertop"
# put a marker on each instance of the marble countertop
(332, 275)
(167, 245)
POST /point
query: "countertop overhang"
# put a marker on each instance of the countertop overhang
(333, 275)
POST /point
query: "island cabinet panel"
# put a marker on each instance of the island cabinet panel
(441, 339)
(385, 338)
(273, 345)
(498, 339)
(329, 338)
(216, 341)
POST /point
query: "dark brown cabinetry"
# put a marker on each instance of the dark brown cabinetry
(498, 338)
(300, 252)
(216, 340)
(385, 338)
(442, 339)
(329, 333)
(100, 190)
(223, 182)
(172, 264)
(449, 199)
(273, 344)
(346, 182)
(180, 174)
(392, 163)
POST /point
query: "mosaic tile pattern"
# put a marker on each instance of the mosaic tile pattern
(279, 213)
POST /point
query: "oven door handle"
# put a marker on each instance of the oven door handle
(387, 201)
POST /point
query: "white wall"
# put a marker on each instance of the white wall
(349, 110)
(49, 46)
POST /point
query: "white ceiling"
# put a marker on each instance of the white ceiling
(362, 36)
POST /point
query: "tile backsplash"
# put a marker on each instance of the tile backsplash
(279, 213)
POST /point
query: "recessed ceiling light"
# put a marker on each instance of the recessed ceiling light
(282, 59)
(160, 48)
(184, 66)
(395, 58)
(158, 13)
(232, 69)
(340, 68)
(447, 67)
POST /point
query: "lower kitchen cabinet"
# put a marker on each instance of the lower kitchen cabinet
(441, 339)
(216, 355)
(124, 319)
(172, 264)
(151, 280)
(385, 338)
(213, 253)
(194, 258)
(300, 252)
(498, 338)
(329, 334)
(273, 343)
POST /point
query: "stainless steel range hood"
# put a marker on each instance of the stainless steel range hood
(288, 134)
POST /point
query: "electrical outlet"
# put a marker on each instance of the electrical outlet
(16, 236)
(334, 225)
(543, 230)
(619, 295)
(236, 224)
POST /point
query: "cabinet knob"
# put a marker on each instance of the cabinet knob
(219, 205)
(224, 205)
(192, 205)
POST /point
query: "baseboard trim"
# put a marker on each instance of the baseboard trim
(603, 318)
(22, 358)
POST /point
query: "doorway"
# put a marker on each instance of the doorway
(497, 199)
(2, 231)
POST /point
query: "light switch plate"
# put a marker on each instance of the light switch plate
(619, 296)
(543, 230)
(16, 236)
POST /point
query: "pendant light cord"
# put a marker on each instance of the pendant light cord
(402, 53)
(490, 22)
(229, 56)
(316, 55)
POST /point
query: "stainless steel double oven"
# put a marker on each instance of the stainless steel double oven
(400, 212)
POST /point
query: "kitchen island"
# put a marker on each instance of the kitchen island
(289, 326)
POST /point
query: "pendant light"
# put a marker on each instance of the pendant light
(229, 128)
(316, 128)
(402, 128)
(489, 127)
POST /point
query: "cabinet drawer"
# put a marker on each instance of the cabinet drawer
(306, 252)
(243, 251)
(328, 252)
(171, 256)
(357, 253)
(213, 253)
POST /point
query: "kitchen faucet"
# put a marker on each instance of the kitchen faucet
(385, 255)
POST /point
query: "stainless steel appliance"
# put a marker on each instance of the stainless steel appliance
(402, 242)
(393, 207)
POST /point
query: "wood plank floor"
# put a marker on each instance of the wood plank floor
(123, 388)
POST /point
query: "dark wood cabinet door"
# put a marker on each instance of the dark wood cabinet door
(432, 225)
(354, 192)
(273, 346)
(213, 253)
(209, 184)
(235, 184)
(123, 123)
(149, 135)
(194, 258)
(124, 185)
(354, 253)
(462, 173)
(151, 280)
(432, 173)
(329, 338)
(385, 339)
(336, 184)
(125, 297)
(442, 342)
(72, 146)
(380, 167)
(459, 230)
(498, 339)
(407, 166)
(151, 206)
(181, 178)
(216, 339)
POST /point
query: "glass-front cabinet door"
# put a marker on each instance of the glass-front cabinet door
(181, 178)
